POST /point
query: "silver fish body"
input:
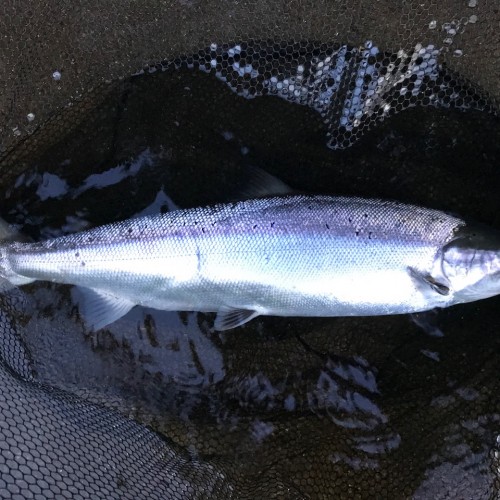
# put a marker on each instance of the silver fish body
(292, 255)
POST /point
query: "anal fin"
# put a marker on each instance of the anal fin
(99, 308)
(232, 318)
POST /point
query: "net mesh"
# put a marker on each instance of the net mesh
(109, 109)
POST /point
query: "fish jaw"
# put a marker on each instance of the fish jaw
(471, 264)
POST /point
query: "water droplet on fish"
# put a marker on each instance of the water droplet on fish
(56, 75)
(30, 117)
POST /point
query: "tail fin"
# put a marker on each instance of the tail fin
(9, 279)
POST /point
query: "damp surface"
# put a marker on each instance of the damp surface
(394, 406)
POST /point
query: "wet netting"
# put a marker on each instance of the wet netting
(113, 109)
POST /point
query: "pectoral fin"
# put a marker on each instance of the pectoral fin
(231, 318)
(427, 280)
(99, 308)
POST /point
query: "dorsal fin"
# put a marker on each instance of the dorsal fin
(258, 183)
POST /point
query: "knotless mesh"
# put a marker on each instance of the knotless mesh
(108, 110)
(55, 445)
(350, 87)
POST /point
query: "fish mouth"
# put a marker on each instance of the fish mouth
(486, 287)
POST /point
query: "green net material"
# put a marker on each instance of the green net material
(110, 109)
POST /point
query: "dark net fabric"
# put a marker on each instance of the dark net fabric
(113, 109)
(55, 445)
(350, 87)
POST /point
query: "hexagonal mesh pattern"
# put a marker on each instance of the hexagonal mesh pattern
(388, 98)
(54, 445)
(352, 88)
(350, 62)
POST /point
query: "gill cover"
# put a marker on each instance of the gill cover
(471, 263)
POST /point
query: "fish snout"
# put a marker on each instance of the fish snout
(472, 266)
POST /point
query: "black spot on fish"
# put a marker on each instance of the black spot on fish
(129, 230)
(327, 226)
(255, 226)
(83, 263)
(202, 229)
(370, 235)
(357, 233)
(365, 216)
(350, 220)
(77, 255)
(272, 224)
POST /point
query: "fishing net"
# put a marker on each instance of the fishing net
(112, 110)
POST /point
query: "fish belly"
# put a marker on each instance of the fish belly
(300, 256)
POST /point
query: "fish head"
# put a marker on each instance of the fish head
(470, 263)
